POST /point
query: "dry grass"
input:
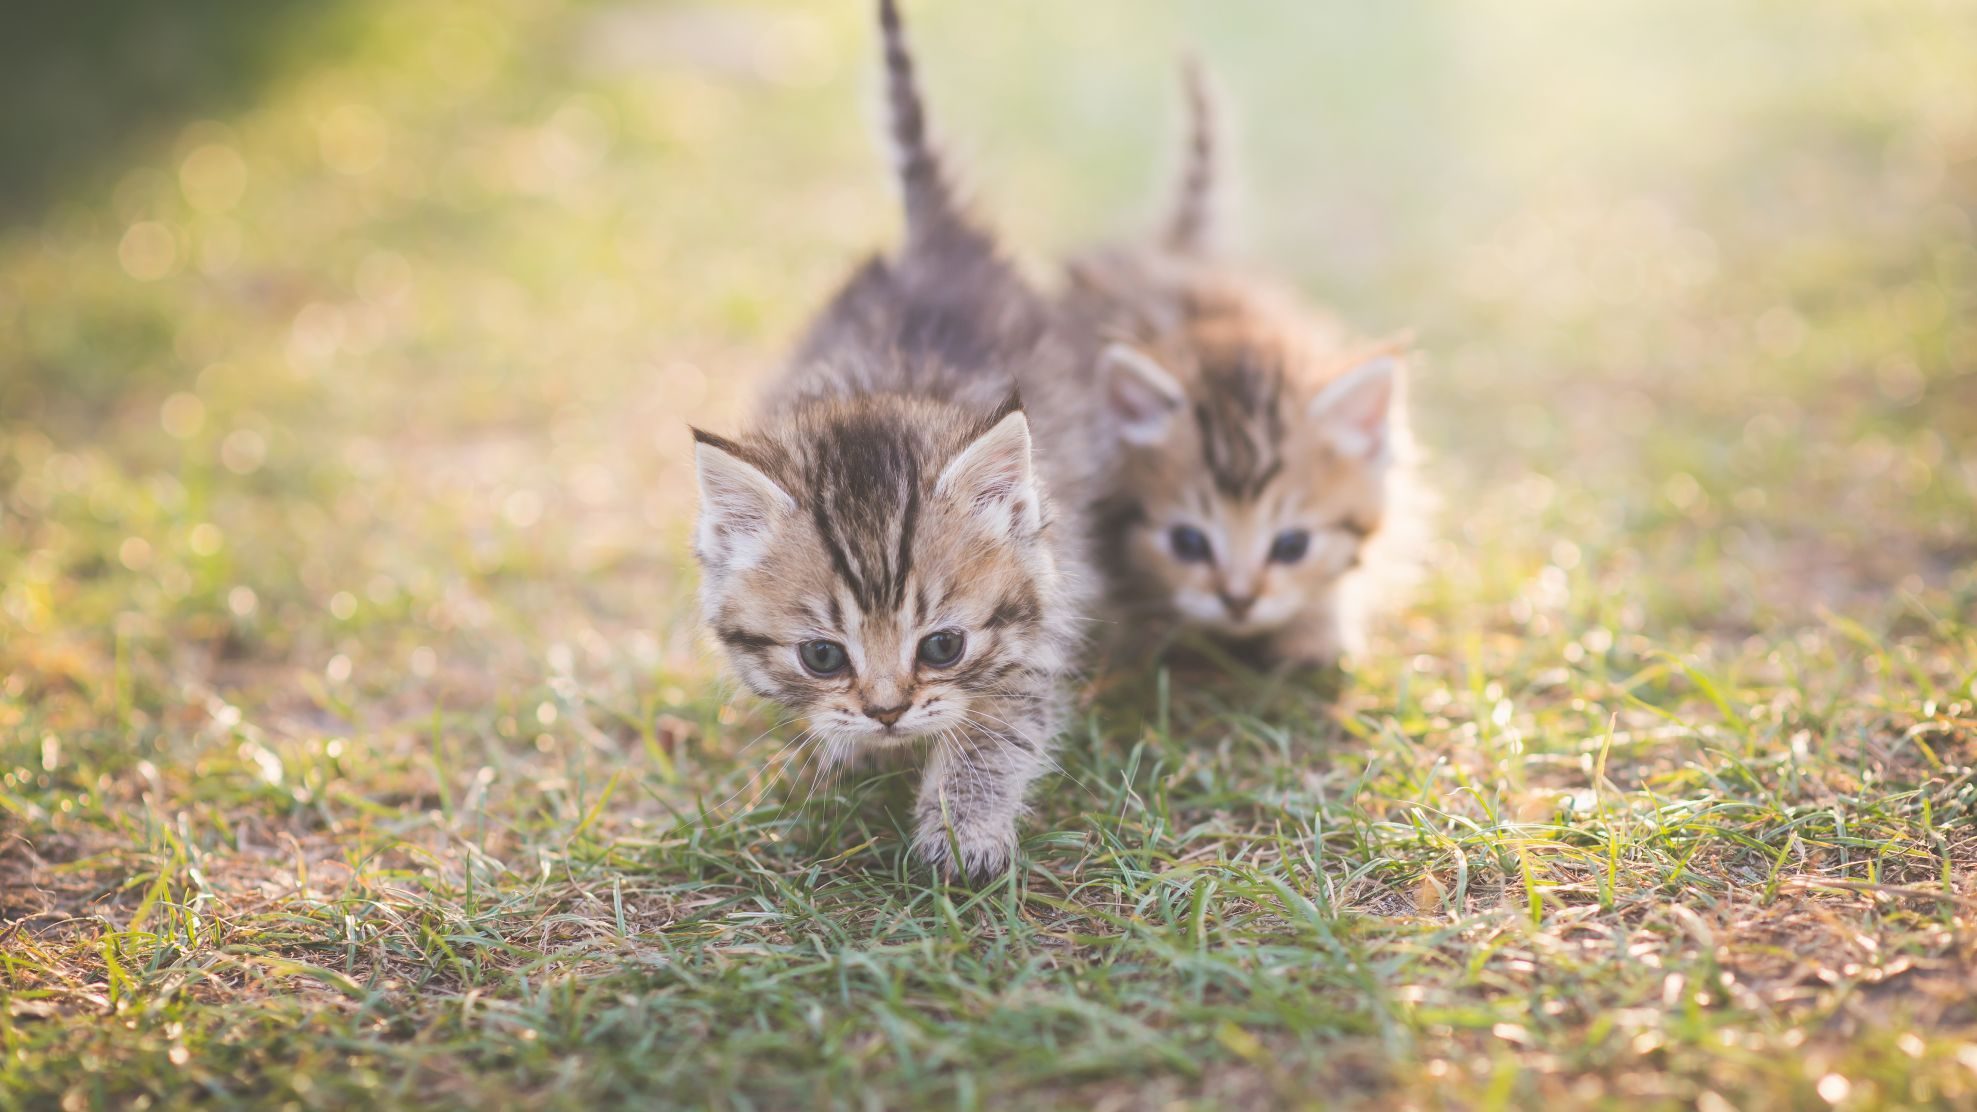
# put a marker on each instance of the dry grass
(356, 746)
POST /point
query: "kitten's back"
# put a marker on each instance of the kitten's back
(946, 317)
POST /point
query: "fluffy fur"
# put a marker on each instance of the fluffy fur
(890, 504)
(1263, 482)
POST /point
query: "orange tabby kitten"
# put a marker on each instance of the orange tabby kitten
(1263, 451)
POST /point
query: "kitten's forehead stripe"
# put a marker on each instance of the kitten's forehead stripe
(1240, 419)
(866, 506)
(909, 517)
(833, 546)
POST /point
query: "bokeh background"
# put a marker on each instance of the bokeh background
(347, 350)
(389, 310)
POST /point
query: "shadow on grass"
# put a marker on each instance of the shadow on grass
(82, 83)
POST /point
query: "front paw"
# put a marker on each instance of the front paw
(984, 849)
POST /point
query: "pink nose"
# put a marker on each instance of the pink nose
(1238, 605)
(887, 715)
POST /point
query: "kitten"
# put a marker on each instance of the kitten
(1264, 455)
(878, 552)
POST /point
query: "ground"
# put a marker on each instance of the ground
(357, 746)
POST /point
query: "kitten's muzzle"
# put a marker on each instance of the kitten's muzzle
(1238, 605)
(887, 716)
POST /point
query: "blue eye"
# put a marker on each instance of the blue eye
(1190, 543)
(1290, 546)
(822, 658)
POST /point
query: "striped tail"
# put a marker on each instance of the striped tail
(935, 217)
(1191, 228)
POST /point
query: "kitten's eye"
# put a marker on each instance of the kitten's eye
(1190, 543)
(1290, 546)
(822, 658)
(941, 648)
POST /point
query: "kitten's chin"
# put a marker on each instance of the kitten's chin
(1200, 609)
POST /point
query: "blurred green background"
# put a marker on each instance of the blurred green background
(441, 271)
(346, 354)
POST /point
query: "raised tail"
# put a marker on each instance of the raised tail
(1191, 227)
(935, 217)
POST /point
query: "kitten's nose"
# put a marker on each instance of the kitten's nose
(1238, 604)
(887, 715)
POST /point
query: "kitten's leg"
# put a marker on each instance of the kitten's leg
(971, 795)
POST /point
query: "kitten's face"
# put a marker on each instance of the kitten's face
(1252, 497)
(874, 572)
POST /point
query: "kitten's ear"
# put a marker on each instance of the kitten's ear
(1143, 397)
(739, 505)
(1352, 411)
(993, 478)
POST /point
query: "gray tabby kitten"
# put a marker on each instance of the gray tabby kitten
(1264, 476)
(878, 551)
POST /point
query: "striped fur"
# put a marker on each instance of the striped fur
(1190, 229)
(888, 491)
(937, 223)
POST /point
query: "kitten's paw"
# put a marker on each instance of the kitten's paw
(985, 850)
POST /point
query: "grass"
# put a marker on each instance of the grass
(356, 745)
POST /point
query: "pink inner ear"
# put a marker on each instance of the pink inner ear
(1141, 393)
(996, 481)
(1135, 401)
(992, 476)
(1354, 408)
(1367, 409)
